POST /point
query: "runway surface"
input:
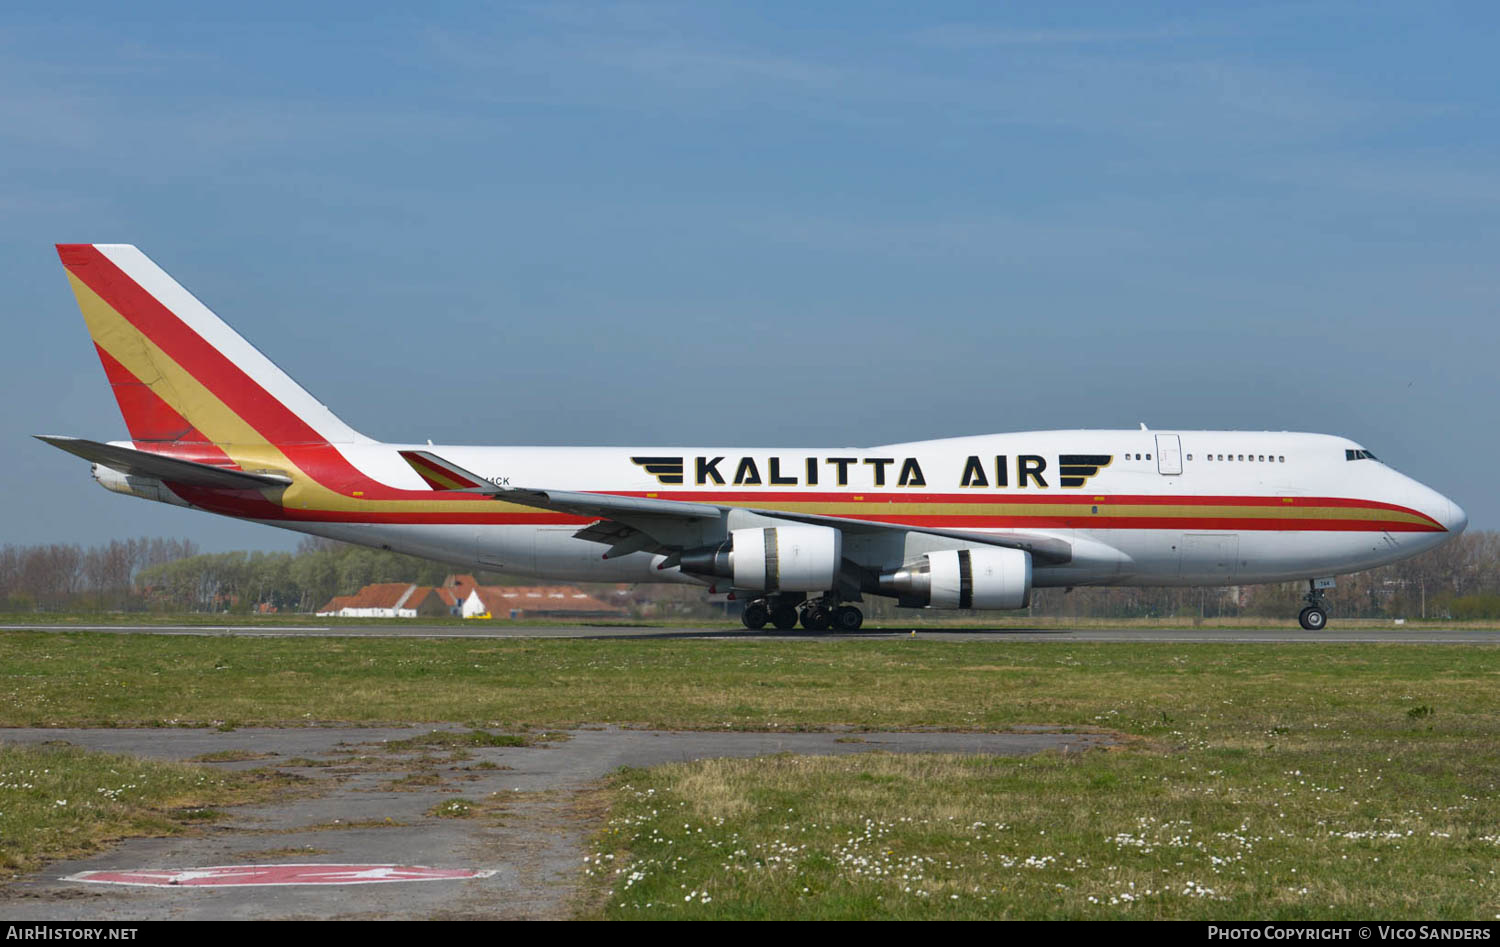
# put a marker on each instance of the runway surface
(534, 836)
(400, 628)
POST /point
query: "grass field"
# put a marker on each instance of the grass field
(1271, 780)
(63, 802)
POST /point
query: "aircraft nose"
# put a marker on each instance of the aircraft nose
(1456, 520)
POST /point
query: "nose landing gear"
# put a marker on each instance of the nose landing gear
(1315, 616)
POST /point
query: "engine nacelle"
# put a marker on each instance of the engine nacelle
(963, 578)
(773, 558)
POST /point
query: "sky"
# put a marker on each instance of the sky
(767, 224)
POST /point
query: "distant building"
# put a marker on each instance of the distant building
(460, 595)
(335, 605)
(390, 600)
(453, 604)
(519, 601)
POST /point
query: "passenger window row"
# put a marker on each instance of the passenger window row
(1255, 458)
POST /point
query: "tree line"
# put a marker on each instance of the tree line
(171, 575)
(70, 577)
(1461, 579)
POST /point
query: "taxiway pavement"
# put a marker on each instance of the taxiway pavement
(402, 628)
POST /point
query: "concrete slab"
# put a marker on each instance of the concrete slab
(369, 816)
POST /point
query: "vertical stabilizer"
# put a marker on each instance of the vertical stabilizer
(180, 374)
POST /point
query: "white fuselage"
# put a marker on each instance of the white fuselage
(1164, 510)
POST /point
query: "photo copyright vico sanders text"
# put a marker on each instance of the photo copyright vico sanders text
(1357, 932)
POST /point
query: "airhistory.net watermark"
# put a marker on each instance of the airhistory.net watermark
(67, 932)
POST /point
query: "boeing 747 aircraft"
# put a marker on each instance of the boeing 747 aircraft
(796, 534)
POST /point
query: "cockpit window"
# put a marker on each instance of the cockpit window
(1359, 455)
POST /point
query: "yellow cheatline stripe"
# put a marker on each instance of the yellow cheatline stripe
(1082, 512)
(246, 446)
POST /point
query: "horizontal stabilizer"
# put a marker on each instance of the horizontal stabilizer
(446, 475)
(146, 464)
(441, 474)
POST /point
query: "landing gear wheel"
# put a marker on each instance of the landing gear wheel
(755, 616)
(816, 618)
(1313, 618)
(784, 617)
(847, 618)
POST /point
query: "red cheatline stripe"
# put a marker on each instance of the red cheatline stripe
(1189, 523)
(1053, 496)
(891, 502)
(250, 504)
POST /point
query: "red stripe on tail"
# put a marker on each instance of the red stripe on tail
(259, 408)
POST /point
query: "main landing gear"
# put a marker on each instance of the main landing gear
(1315, 616)
(759, 613)
(823, 614)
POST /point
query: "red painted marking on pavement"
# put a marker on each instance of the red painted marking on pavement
(261, 875)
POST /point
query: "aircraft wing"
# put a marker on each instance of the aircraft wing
(147, 464)
(630, 518)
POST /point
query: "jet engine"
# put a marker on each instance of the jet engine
(773, 558)
(963, 578)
